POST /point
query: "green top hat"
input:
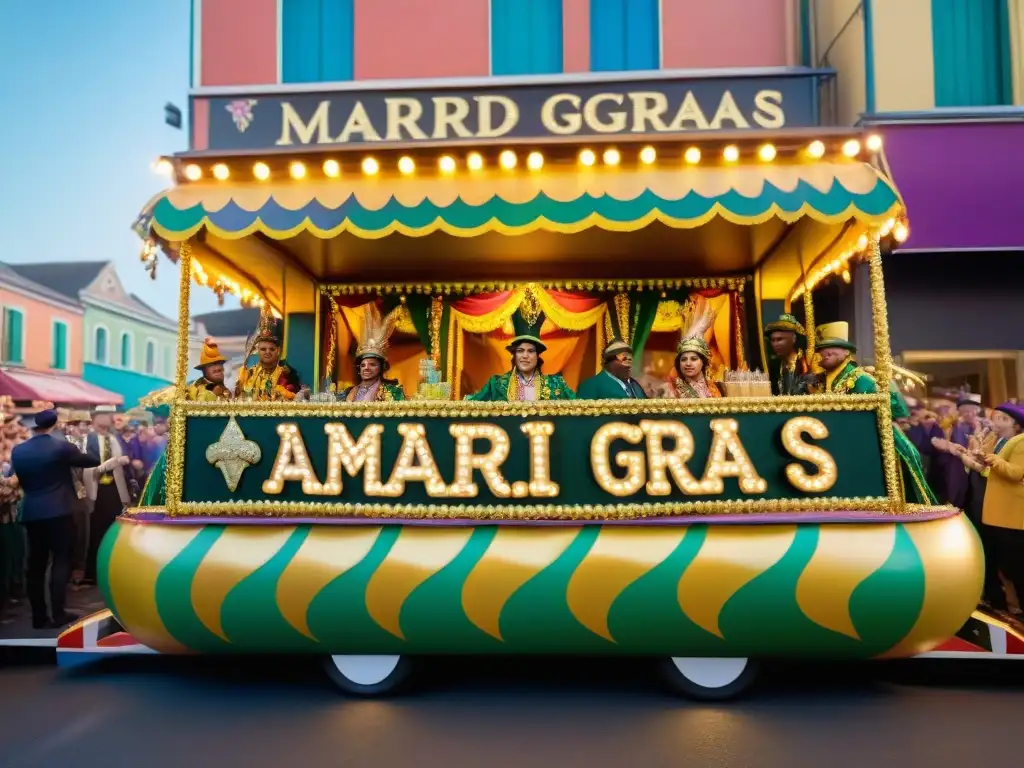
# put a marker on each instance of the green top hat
(526, 331)
(834, 335)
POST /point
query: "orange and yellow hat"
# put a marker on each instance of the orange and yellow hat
(210, 354)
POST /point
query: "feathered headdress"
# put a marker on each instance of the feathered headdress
(697, 318)
(373, 341)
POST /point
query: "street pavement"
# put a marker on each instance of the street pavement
(494, 713)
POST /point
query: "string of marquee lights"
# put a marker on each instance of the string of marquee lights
(508, 160)
(830, 265)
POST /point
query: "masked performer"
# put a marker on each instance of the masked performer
(210, 386)
(690, 377)
(270, 378)
(616, 381)
(843, 376)
(526, 380)
(787, 363)
(372, 362)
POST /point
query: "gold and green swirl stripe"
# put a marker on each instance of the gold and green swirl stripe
(844, 590)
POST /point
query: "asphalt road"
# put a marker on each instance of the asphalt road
(496, 713)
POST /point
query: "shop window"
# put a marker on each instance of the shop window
(971, 48)
(14, 336)
(99, 346)
(526, 37)
(59, 346)
(150, 357)
(624, 34)
(126, 350)
(316, 41)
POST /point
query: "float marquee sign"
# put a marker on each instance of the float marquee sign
(528, 111)
(547, 465)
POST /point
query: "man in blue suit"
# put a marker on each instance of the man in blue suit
(43, 467)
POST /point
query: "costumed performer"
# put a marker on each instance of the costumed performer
(616, 381)
(270, 378)
(843, 376)
(209, 387)
(525, 381)
(788, 365)
(372, 362)
(690, 377)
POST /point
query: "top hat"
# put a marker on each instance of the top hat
(834, 335)
(527, 331)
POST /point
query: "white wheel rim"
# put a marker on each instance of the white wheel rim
(365, 670)
(710, 673)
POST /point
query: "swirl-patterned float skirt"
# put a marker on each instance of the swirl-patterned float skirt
(864, 590)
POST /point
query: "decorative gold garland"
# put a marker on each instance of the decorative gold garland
(176, 429)
(883, 371)
(634, 511)
(469, 409)
(446, 289)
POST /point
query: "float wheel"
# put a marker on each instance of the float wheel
(368, 675)
(709, 679)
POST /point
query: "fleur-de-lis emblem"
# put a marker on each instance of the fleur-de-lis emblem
(232, 454)
(241, 112)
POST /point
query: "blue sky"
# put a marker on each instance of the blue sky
(82, 95)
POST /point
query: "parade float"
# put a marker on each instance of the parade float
(706, 533)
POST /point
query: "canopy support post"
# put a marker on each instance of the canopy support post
(883, 373)
(176, 439)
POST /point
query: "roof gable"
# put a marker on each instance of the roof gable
(18, 282)
(67, 278)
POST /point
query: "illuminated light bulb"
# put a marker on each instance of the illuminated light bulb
(475, 161)
(874, 143)
(587, 157)
(535, 161)
(406, 165)
(370, 166)
(332, 168)
(507, 159)
(164, 167)
(193, 172)
(221, 172)
(446, 164)
(261, 171)
(862, 242)
(692, 155)
(648, 155)
(847, 277)
(612, 157)
(900, 232)
(767, 153)
(297, 170)
(816, 149)
(731, 153)
(851, 148)
(887, 227)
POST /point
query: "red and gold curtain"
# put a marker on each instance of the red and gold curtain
(570, 319)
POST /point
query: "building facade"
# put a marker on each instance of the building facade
(942, 81)
(304, 41)
(41, 356)
(127, 347)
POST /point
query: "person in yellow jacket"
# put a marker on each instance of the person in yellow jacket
(210, 386)
(1002, 516)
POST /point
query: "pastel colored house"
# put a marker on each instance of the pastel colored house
(303, 41)
(127, 346)
(41, 350)
(943, 83)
